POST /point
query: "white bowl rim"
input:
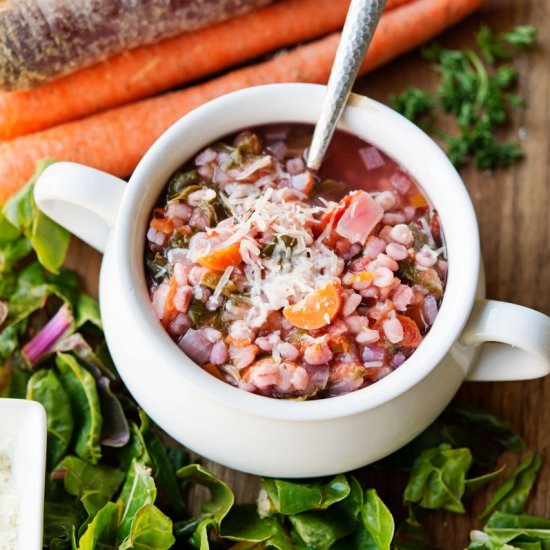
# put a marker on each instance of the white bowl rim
(447, 326)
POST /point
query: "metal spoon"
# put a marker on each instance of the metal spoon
(362, 19)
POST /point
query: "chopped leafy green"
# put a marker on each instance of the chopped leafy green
(322, 528)
(138, 490)
(377, 521)
(243, 524)
(493, 45)
(101, 532)
(289, 498)
(412, 535)
(213, 511)
(476, 95)
(179, 182)
(425, 277)
(158, 267)
(150, 529)
(81, 388)
(514, 492)
(93, 485)
(44, 387)
(414, 104)
(438, 478)
(49, 240)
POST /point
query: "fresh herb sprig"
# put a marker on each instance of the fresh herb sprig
(475, 88)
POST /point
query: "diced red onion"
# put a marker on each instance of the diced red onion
(401, 182)
(371, 157)
(398, 359)
(196, 346)
(278, 149)
(180, 324)
(318, 377)
(373, 353)
(219, 354)
(430, 309)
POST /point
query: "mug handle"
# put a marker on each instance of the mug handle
(516, 341)
(82, 199)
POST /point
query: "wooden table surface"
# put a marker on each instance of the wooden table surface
(513, 211)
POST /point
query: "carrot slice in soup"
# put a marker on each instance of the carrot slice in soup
(221, 258)
(316, 310)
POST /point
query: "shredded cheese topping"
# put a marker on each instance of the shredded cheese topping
(297, 264)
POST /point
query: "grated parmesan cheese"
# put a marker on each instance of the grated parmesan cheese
(9, 505)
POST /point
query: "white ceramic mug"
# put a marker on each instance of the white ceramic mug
(258, 434)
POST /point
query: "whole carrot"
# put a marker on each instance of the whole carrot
(148, 70)
(42, 40)
(114, 141)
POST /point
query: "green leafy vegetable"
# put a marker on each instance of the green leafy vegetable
(514, 492)
(243, 524)
(150, 529)
(93, 485)
(81, 388)
(378, 522)
(138, 490)
(477, 96)
(323, 528)
(213, 510)
(44, 387)
(48, 239)
(101, 533)
(412, 535)
(289, 498)
(438, 478)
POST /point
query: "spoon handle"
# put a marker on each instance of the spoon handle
(361, 21)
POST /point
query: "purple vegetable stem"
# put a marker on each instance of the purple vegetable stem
(47, 336)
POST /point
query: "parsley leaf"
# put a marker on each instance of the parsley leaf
(476, 94)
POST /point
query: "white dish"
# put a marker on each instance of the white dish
(278, 437)
(24, 423)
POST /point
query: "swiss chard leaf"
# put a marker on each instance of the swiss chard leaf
(115, 430)
(511, 531)
(151, 530)
(288, 498)
(101, 533)
(378, 522)
(93, 485)
(138, 491)
(44, 386)
(81, 388)
(49, 240)
(475, 483)
(412, 535)
(321, 529)
(60, 519)
(35, 285)
(514, 492)
(169, 491)
(243, 524)
(438, 478)
(213, 511)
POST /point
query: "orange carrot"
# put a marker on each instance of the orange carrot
(316, 310)
(148, 70)
(222, 258)
(115, 140)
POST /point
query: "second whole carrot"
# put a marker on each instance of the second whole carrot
(148, 70)
(115, 140)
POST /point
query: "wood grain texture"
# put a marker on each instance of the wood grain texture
(512, 207)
